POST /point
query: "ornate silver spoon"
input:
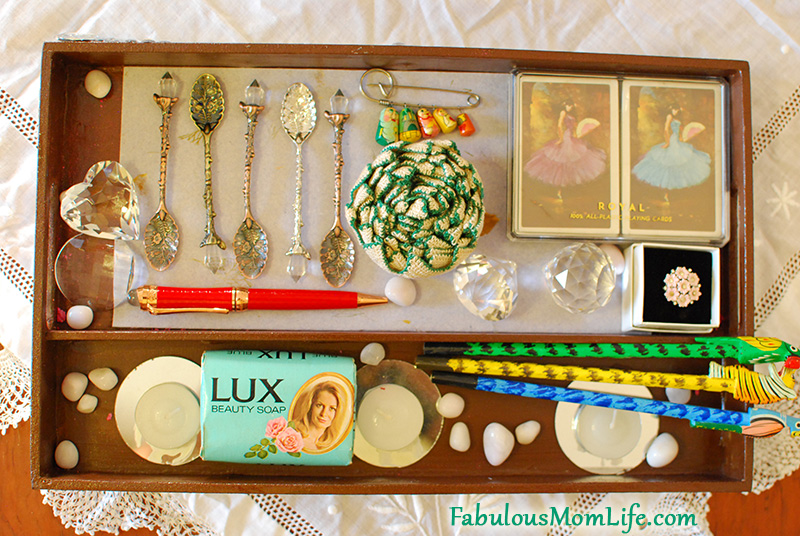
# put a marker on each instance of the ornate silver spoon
(250, 243)
(208, 106)
(161, 233)
(299, 116)
(336, 254)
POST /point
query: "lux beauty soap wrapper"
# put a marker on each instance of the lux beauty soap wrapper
(277, 407)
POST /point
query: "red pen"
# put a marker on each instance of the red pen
(163, 300)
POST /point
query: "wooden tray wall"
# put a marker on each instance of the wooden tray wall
(76, 132)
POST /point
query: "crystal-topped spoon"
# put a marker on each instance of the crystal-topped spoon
(250, 243)
(336, 254)
(161, 233)
(298, 116)
(207, 107)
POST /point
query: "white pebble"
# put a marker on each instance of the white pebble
(103, 378)
(401, 291)
(66, 455)
(498, 442)
(459, 437)
(97, 83)
(616, 256)
(373, 353)
(527, 432)
(333, 509)
(80, 316)
(73, 386)
(678, 396)
(450, 405)
(662, 450)
(87, 403)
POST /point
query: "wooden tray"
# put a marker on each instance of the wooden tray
(72, 140)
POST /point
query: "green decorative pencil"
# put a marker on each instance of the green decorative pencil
(746, 350)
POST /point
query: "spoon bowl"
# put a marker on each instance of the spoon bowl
(161, 240)
(337, 255)
(251, 248)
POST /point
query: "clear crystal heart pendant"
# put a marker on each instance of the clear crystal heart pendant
(105, 204)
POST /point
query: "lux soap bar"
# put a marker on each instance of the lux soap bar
(277, 407)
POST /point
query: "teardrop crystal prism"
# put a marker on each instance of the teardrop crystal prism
(104, 205)
(487, 287)
(213, 258)
(298, 265)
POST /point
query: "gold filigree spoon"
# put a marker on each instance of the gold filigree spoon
(336, 254)
(298, 116)
(161, 233)
(208, 106)
(250, 243)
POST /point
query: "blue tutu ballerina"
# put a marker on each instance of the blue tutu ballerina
(674, 164)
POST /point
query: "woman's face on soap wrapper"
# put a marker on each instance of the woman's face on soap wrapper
(323, 410)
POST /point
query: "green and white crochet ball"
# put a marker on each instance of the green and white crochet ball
(417, 209)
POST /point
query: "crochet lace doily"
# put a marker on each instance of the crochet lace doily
(168, 515)
(110, 511)
(15, 390)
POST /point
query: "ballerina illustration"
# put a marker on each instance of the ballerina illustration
(674, 164)
(568, 159)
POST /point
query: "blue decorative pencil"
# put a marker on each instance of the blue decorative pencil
(755, 422)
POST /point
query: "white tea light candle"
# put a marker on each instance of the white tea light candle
(168, 415)
(390, 417)
(607, 433)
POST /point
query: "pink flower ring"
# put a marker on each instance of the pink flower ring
(682, 286)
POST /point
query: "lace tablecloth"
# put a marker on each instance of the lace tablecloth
(765, 33)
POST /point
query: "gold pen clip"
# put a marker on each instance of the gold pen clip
(147, 297)
(153, 310)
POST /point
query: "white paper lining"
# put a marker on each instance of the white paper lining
(273, 181)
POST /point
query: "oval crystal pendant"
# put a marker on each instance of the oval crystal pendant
(98, 273)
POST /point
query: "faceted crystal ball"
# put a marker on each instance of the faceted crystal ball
(104, 205)
(581, 278)
(487, 287)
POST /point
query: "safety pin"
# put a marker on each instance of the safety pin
(473, 99)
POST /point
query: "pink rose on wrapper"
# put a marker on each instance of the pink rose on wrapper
(289, 440)
(276, 426)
